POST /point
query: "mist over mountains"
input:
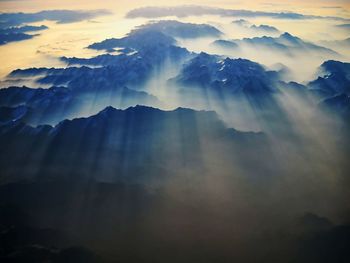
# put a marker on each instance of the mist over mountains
(192, 10)
(13, 26)
(150, 151)
(285, 43)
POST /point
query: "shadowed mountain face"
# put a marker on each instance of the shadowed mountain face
(227, 75)
(336, 79)
(9, 114)
(155, 181)
(144, 51)
(339, 105)
(136, 143)
(239, 76)
(116, 70)
(239, 86)
(87, 90)
(50, 106)
(333, 88)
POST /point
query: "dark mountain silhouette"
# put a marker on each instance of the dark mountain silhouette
(117, 145)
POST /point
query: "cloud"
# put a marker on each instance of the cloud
(155, 33)
(285, 43)
(59, 16)
(344, 26)
(332, 7)
(191, 10)
(13, 25)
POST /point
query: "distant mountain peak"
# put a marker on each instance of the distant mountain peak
(223, 74)
(289, 37)
(108, 110)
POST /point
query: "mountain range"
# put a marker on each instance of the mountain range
(161, 33)
(285, 43)
(105, 145)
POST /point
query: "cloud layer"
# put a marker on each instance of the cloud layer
(189, 10)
